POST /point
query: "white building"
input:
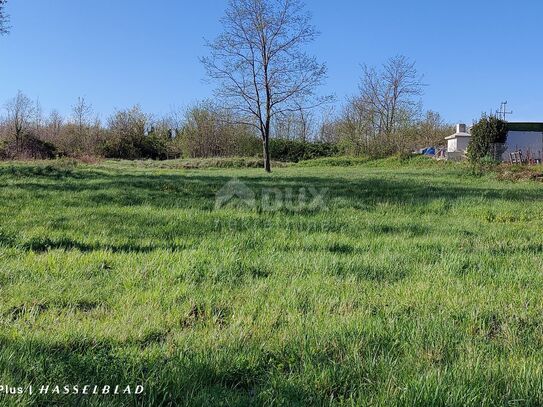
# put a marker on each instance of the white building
(457, 144)
(526, 138)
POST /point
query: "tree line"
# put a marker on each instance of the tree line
(266, 104)
(207, 129)
(203, 130)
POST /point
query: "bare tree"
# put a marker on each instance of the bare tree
(38, 115)
(81, 113)
(208, 131)
(20, 111)
(306, 125)
(390, 94)
(433, 130)
(175, 119)
(54, 125)
(295, 125)
(327, 126)
(356, 126)
(260, 64)
(379, 119)
(4, 18)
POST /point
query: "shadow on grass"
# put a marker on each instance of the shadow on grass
(123, 232)
(185, 380)
(43, 244)
(241, 375)
(198, 190)
(48, 171)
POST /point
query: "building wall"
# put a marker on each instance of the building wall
(458, 144)
(526, 141)
(462, 144)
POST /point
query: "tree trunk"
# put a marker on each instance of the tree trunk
(266, 145)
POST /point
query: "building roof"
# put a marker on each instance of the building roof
(458, 135)
(534, 127)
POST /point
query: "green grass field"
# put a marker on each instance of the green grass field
(417, 284)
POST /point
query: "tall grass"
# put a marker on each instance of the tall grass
(415, 285)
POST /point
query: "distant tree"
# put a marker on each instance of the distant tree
(356, 128)
(432, 130)
(295, 125)
(327, 126)
(175, 120)
(210, 131)
(78, 137)
(81, 113)
(4, 18)
(382, 118)
(38, 116)
(55, 120)
(391, 93)
(53, 125)
(260, 64)
(126, 136)
(20, 111)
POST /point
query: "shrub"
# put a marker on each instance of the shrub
(486, 137)
(154, 146)
(29, 147)
(209, 131)
(73, 140)
(131, 136)
(294, 150)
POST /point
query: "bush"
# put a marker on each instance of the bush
(209, 131)
(30, 147)
(74, 141)
(154, 146)
(294, 150)
(128, 137)
(486, 138)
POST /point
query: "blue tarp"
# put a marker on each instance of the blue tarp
(428, 151)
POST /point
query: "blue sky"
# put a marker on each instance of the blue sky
(117, 53)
